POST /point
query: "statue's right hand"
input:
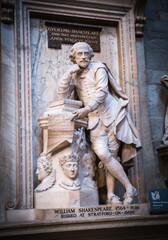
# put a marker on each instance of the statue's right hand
(75, 68)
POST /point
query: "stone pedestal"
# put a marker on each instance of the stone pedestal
(61, 168)
(53, 198)
(85, 214)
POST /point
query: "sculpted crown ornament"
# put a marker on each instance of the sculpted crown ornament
(72, 157)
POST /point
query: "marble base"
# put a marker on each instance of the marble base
(78, 213)
(96, 212)
(23, 215)
(68, 199)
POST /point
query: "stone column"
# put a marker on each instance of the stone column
(7, 111)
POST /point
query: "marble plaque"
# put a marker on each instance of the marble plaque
(104, 211)
(59, 33)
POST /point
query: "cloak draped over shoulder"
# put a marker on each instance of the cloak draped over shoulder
(93, 87)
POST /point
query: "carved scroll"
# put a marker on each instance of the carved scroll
(7, 11)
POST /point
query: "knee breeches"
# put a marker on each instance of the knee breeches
(104, 142)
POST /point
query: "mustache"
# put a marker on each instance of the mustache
(84, 61)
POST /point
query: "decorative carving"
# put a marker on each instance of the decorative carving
(104, 111)
(7, 11)
(24, 156)
(45, 172)
(66, 158)
(20, 186)
(10, 205)
(79, 141)
(139, 17)
(89, 168)
(70, 166)
(24, 188)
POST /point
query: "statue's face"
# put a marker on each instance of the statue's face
(82, 56)
(70, 169)
(90, 170)
(41, 172)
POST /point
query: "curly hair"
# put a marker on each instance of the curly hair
(46, 163)
(72, 52)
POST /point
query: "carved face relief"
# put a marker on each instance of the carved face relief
(41, 172)
(82, 56)
(89, 168)
(70, 169)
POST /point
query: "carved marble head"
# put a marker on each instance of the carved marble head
(69, 163)
(44, 167)
(88, 163)
(81, 54)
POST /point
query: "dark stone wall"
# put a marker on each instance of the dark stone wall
(156, 63)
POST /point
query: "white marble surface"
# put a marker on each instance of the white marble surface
(61, 174)
(48, 65)
(7, 124)
(109, 50)
(96, 213)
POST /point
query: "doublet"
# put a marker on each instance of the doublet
(92, 89)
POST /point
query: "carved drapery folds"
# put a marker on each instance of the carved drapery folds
(7, 11)
(139, 17)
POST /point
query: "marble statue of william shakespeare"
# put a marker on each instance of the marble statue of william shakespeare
(108, 120)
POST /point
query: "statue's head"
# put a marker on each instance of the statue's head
(44, 167)
(81, 54)
(69, 164)
(88, 162)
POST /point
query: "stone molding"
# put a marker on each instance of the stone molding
(152, 225)
(123, 18)
(139, 17)
(7, 11)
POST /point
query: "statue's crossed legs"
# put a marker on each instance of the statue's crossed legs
(106, 147)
